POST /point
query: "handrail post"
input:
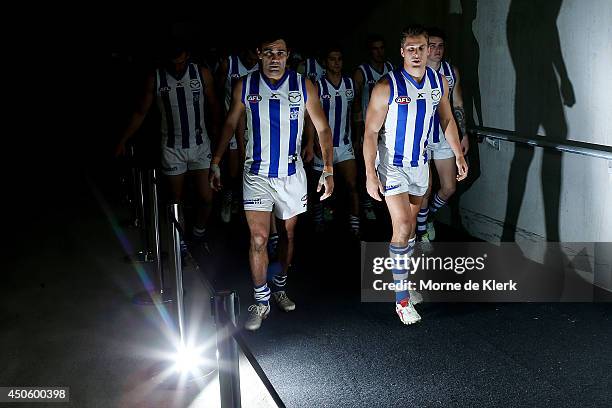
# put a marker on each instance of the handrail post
(224, 310)
(175, 240)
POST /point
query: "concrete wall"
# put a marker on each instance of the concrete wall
(522, 87)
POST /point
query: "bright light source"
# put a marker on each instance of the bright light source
(187, 359)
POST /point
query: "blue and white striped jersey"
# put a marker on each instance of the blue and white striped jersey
(275, 121)
(181, 103)
(437, 133)
(337, 103)
(235, 71)
(371, 76)
(412, 106)
(313, 70)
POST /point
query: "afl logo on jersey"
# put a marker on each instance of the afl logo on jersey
(295, 97)
(165, 89)
(349, 93)
(326, 96)
(403, 100)
(253, 98)
(195, 84)
(435, 95)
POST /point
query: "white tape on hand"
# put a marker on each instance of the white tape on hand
(324, 175)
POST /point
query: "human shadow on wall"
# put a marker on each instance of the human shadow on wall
(535, 49)
(465, 54)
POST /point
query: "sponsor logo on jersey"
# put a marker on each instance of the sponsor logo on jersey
(295, 97)
(195, 84)
(371, 82)
(435, 95)
(421, 95)
(403, 100)
(392, 187)
(273, 96)
(326, 96)
(349, 93)
(234, 76)
(294, 113)
(180, 85)
(305, 197)
(165, 89)
(253, 98)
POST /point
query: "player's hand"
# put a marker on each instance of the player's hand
(326, 180)
(374, 187)
(465, 144)
(120, 149)
(308, 153)
(462, 168)
(214, 177)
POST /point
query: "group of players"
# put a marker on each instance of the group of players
(378, 130)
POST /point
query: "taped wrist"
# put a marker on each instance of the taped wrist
(324, 175)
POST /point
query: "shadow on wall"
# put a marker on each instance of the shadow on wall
(535, 50)
(465, 54)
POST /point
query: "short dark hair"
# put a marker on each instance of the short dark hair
(331, 48)
(372, 38)
(270, 37)
(414, 30)
(436, 32)
(174, 49)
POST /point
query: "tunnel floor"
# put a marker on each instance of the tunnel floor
(68, 319)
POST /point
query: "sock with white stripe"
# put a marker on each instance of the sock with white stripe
(276, 276)
(436, 204)
(400, 276)
(318, 212)
(354, 221)
(262, 294)
(422, 222)
(198, 232)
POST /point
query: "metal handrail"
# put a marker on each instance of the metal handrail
(569, 146)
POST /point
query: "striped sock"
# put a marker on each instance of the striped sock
(422, 222)
(227, 196)
(198, 232)
(273, 243)
(279, 282)
(318, 212)
(401, 275)
(262, 294)
(354, 221)
(436, 204)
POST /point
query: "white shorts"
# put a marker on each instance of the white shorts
(178, 161)
(441, 150)
(341, 153)
(287, 196)
(397, 180)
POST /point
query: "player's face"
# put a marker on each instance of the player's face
(273, 58)
(377, 51)
(436, 49)
(333, 63)
(178, 65)
(415, 51)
